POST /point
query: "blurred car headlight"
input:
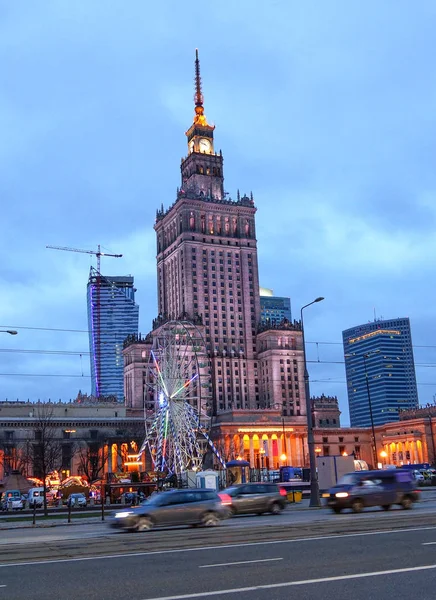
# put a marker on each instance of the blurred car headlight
(121, 515)
(342, 495)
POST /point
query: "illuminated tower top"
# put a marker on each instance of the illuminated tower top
(200, 118)
(200, 134)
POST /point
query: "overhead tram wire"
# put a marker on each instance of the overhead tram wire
(42, 375)
(220, 339)
(54, 352)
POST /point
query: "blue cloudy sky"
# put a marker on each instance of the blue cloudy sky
(326, 110)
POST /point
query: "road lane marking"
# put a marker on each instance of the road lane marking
(269, 586)
(240, 562)
(428, 543)
(220, 547)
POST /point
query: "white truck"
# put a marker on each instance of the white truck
(331, 468)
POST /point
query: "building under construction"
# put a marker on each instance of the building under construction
(112, 316)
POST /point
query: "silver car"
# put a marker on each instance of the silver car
(175, 507)
(77, 500)
(257, 498)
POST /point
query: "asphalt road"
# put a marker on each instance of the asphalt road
(376, 565)
(422, 513)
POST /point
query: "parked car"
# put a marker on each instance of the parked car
(77, 500)
(256, 498)
(131, 498)
(35, 497)
(11, 500)
(175, 507)
(373, 488)
(418, 476)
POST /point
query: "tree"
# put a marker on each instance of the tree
(46, 451)
(10, 458)
(92, 458)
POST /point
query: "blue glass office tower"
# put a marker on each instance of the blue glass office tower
(112, 316)
(273, 309)
(380, 371)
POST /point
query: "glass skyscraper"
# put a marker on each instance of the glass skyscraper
(273, 309)
(380, 371)
(112, 316)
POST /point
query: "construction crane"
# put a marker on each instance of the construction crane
(98, 253)
(97, 346)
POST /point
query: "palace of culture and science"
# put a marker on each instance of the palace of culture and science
(207, 272)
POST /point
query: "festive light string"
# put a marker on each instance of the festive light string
(160, 374)
(165, 435)
(184, 386)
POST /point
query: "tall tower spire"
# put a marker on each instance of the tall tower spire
(199, 118)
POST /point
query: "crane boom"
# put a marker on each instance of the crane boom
(96, 252)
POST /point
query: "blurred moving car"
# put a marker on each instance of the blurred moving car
(373, 488)
(175, 507)
(77, 500)
(257, 498)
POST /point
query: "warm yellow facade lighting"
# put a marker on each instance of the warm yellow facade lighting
(263, 429)
(373, 333)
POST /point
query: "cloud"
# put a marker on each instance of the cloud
(326, 113)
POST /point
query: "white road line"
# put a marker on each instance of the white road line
(428, 543)
(219, 547)
(270, 586)
(240, 562)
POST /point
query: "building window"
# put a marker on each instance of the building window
(326, 450)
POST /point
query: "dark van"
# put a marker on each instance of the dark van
(373, 488)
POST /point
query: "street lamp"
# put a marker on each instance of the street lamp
(314, 487)
(10, 331)
(374, 447)
(284, 456)
(368, 392)
(262, 456)
(384, 455)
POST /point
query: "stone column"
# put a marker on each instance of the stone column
(252, 465)
(240, 446)
(420, 457)
(270, 452)
(279, 449)
(298, 457)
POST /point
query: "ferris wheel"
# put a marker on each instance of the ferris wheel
(180, 385)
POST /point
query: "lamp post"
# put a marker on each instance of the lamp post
(374, 443)
(314, 487)
(10, 331)
(262, 458)
(284, 456)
